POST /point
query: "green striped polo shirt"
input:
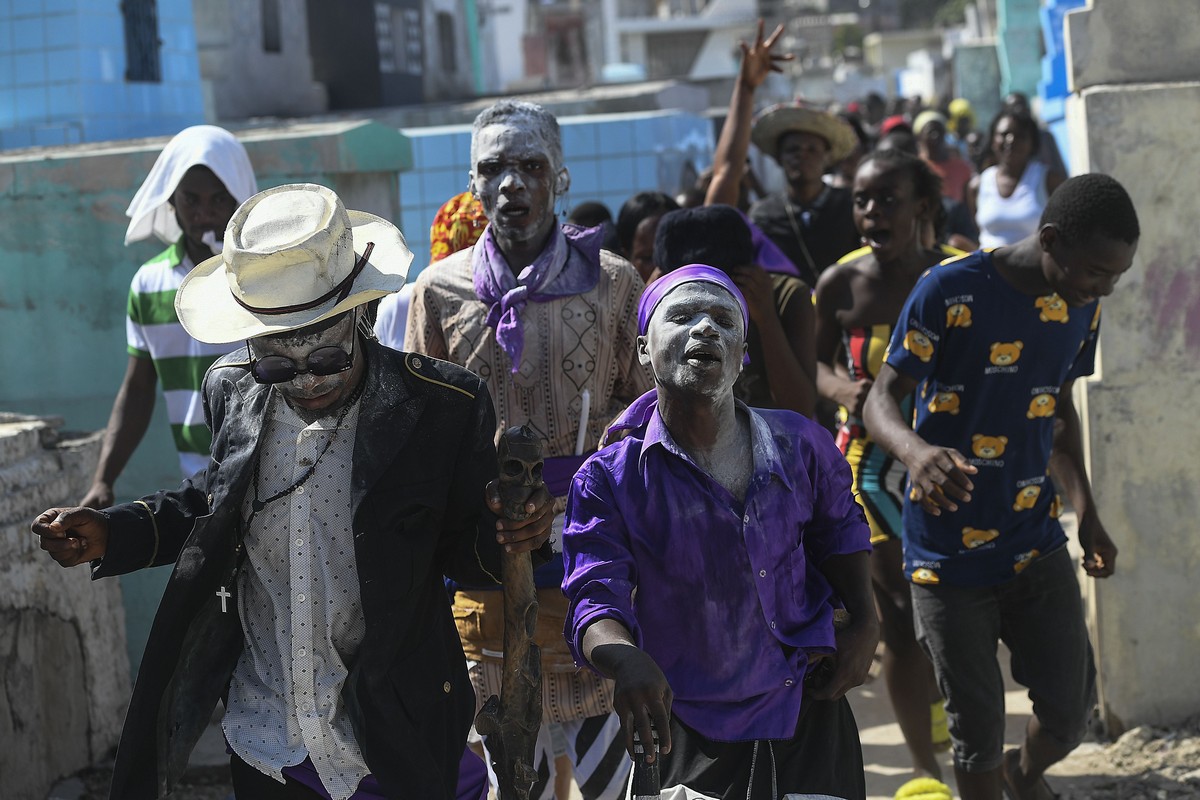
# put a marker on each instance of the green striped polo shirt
(153, 331)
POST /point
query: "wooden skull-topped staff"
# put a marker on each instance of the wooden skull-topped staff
(509, 723)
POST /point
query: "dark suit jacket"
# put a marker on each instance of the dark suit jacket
(422, 456)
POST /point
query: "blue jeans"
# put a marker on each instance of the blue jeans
(1039, 616)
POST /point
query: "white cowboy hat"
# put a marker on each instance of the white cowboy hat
(293, 256)
(777, 120)
(150, 212)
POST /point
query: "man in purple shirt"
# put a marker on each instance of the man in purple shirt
(706, 552)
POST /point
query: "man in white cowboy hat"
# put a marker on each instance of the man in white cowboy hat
(186, 201)
(547, 318)
(811, 222)
(344, 480)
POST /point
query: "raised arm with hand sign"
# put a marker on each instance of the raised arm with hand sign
(729, 161)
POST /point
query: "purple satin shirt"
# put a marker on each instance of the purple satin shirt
(727, 598)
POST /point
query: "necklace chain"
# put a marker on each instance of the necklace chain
(257, 505)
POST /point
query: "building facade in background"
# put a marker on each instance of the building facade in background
(683, 39)
(375, 53)
(255, 59)
(75, 71)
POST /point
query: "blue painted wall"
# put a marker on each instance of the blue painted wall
(62, 74)
(1052, 88)
(610, 157)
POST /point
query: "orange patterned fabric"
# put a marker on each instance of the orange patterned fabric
(457, 225)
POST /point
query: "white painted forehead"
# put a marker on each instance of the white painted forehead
(534, 127)
(700, 290)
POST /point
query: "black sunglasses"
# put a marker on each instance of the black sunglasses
(322, 361)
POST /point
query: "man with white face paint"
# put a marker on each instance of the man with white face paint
(345, 479)
(707, 552)
(547, 318)
(186, 201)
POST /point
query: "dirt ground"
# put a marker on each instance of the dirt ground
(1145, 763)
(199, 783)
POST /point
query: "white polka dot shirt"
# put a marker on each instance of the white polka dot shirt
(299, 601)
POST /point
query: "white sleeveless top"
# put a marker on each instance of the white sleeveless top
(1008, 220)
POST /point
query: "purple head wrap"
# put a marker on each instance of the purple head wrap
(640, 410)
(692, 273)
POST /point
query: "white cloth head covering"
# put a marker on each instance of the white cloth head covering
(201, 145)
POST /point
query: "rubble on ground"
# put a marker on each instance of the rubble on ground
(1144, 763)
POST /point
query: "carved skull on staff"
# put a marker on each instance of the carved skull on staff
(520, 454)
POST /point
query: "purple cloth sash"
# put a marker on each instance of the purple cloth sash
(569, 265)
(557, 472)
(472, 780)
(767, 254)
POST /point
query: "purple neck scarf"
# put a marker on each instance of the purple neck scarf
(569, 265)
(640, 410)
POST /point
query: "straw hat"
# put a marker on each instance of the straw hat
(293, 256)
(778, 120)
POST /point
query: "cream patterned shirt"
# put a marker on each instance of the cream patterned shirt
(299, 602)
(584, 341)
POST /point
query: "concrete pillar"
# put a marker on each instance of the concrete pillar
(1135, 73)
(612, 37)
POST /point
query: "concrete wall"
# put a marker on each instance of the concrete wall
(977, 78)
(1134, 116)
(501, 27)
(229, 38)
(441, 84)
(65, 276)
(921, 77)
(597, 100)
(889, 51)
(720, 56)
(1019, 46)
(64, 677)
